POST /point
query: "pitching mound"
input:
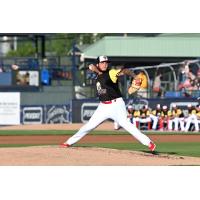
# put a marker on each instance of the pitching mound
(82, 156)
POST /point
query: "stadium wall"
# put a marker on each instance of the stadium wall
(49, 95)
(82, 110)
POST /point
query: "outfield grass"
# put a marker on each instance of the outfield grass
(178, 149)
(71, 132)
(36, 132)
(173, 148)
(181, 149)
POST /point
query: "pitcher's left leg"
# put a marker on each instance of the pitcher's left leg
(120, 117)
(135, 132)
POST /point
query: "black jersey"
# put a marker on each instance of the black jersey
(107, 85)
(191, 111)
(131, 111)
(144, 113)
(165, 113)
(157, 112)
(181, 115)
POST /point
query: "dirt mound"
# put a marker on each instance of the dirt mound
(82, 156)
(77, 156)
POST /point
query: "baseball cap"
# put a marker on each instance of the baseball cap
(145, 107)
(129, 107)
(173, 105)
(158, 106)
(102, 59)
(164, 107)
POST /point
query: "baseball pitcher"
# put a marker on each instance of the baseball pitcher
(111, 103)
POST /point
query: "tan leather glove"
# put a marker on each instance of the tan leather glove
(135, 85)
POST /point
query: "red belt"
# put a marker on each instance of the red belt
(108, 102)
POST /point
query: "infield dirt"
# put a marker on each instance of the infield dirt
(82, 156)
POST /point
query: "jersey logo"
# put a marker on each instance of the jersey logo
(99, 89)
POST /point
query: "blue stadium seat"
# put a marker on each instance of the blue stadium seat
(45, 77)
(173, 94)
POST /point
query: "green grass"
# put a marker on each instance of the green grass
(177, 149)
(71, 132)
(36, 132)
(180, 149)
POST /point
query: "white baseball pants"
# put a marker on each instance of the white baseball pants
(115, 111)
(135, 121)
(192, 119)
(155, 121)
(145, 120)
(175, 121)
(182, 123)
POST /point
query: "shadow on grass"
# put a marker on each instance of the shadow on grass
(159, 152)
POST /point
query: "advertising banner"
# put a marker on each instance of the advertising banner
(57, 114)
(82, 110)
(32, 115)
(9, 108)
(87, 110)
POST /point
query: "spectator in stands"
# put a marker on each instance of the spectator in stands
(157, 89)
(144, 87)
(187, 81)
(182, 76)
(197, 80)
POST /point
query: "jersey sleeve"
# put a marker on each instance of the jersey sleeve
(153, 112)
(169, 113)
(179, 112)
(113, 74)
(193, 111)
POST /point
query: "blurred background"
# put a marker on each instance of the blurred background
(50, 71)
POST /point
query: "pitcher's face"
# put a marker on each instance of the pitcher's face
(103, 66)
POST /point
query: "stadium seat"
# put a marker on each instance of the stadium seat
(45, 78)
(173, 94)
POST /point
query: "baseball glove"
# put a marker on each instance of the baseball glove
(135, 85)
